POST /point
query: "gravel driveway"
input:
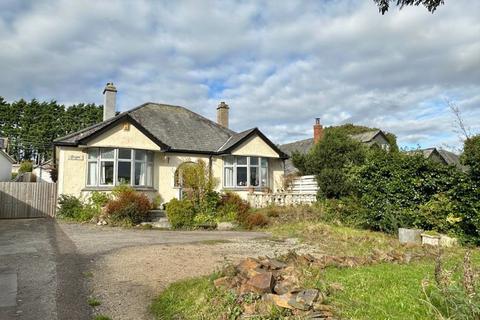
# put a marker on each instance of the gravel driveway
(51, 268)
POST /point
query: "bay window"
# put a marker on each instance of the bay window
(111, 166)
(241, 171)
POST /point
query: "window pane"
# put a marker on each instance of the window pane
(150, 174)
(228, 177)
(254, 161)
(149, 156)
(92, 174)
(264, 162)
(140, 155)
(264, 177)
(93, 154)
(107, 153)
(139, 173)
(125, 154)
(229, 161)
(124, 172)
(242, 160)
(242, 176)
(106, 173)
(254, 178)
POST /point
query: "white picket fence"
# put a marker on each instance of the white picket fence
(302, 191)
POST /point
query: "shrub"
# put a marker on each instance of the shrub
(180, 213)
(232, 207)
(197, 181)
(471, 156)
(69, 206)
(128, 206)
(256, 219)
(347, 211)
(25, 166)
(329, 161)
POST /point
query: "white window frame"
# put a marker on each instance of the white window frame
(235, 166)
(149, 173)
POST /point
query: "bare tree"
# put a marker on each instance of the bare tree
(463, 131)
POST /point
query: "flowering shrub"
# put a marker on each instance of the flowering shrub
(128, 206)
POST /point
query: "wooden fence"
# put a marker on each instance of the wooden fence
(27, 200)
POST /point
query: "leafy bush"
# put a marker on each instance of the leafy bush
(69, 206)
(25, 166)
(471, 156)
(329, 161)
(392, 186)
(197, 181)
(180, 213)
(232, 207)
(128, 206)
(256, 219)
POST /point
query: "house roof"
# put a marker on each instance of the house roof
(303, 146)
(9, 158)
(368, 136)
(447, 156)
(173, 128)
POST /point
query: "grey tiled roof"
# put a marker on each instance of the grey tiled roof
(174, 127)
(235, 139)
(366, 136)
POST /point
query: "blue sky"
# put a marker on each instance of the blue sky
(278, 64)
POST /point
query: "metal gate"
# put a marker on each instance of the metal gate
(27, 200)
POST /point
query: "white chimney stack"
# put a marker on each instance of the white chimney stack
(109, 100)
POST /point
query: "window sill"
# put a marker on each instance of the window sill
(110, 188)
(255, 189)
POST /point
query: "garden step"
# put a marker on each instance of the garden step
(161, 223)
(154, 215)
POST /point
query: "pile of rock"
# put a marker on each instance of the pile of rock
(271, 281)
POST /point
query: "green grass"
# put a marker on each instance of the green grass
(335, 240)
(92, 302)
(379, 291)
(194, 298)
(101, 317)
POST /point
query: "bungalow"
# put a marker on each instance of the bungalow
(370, 138)
(6, 163)
(145, 147)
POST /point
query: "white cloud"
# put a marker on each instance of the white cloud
(278, 64)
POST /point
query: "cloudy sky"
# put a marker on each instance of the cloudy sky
(278, 64)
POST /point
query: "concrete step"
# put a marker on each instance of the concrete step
(154, 215)
(161, 223)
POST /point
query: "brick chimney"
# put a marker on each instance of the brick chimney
(109, 100)
(317, 131)
(222, 114)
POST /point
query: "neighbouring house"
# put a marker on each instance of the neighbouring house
(146, 146)
(440, 156)
(370, 138)
(6, 163)
(42, 172)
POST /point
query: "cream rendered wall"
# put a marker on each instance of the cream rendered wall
(255, 146)
(119, 137)
(71, 170)
(5, 168)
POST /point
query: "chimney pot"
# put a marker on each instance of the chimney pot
(109, 101)
(222, 114)
(317, 131)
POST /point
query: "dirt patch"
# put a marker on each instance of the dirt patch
(127, 280)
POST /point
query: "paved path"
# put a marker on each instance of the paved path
(42, 263)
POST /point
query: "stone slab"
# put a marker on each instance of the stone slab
(8, 292)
